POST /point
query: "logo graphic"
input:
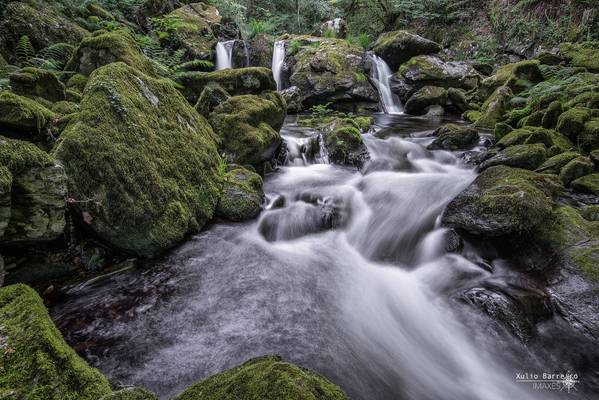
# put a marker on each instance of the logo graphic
(550, 381)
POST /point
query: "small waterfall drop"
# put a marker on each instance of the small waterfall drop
(381, 75)
(278, 59)
(224, 55)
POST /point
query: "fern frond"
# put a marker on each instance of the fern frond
(24, 51)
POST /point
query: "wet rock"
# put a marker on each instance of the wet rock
(453, 241)
(397, 47)
(35, 82)
(293, 98)
(343, 142)
(267, 378)
(424, 98)
(587, 184)
(454, 137)
(526, 156)
(576, 168)
(212, 96)
(248, 127)
(261, 49)
(36, 360)
(237, 81)
(159, 176)
(457, 100)
(503, 200)
(336, 27)
(242, 195)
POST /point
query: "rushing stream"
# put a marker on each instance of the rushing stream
(344, 273)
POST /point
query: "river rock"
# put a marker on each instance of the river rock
(421, 101)
(248, 127)
(37, 363)
(261, 49)
(581, 54)
(33, 194)
(576, 168)
(342, 139)
(267, 378)
(293, 98)
(106, 48)
(587, 184)
(454, 137)
(526, 156)
(331, 71)
(143, 165)
(35, 82)
(397, 47)
(212, 96)
(196, 35)
(494, 107)
(516, 76)
(242, 195)
(237, 81)
(503, 200)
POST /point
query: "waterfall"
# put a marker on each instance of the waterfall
(381, 75)
(278, 59)
(224, 55)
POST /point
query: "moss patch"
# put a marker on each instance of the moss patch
(21, 114)
(37, 82)
(242, 195)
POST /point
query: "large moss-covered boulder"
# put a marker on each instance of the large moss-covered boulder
(420, 102)
(38, 187)
(588, 139)
(572, 122)
(212, 96)
(35, 82)
(518, 77)
(342, 139)
(526, 156)
(581, 54)
(433, 71)
(503, 200)
(248, 127)
(454, 137)
(587, 184)
(494, 108)
(555, 164)
(195, 32)
(242, 195)
(106, 48)
(264, 378)
(36, 362)
(41, 21)
(22, 115)
(533, 135)
(331, 71)
(576, 168)
(143, 165)
(397, 47)
(237, 81)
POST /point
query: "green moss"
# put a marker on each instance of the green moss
(532, 135)
(248, 127)
(472, 116)
(424, 98)
(552, 114)
(194, 31)
(65, 107)
(588, 139)
(397, 47)
(36, 362)
(587, 184)
(518, 77)
(556, 163)
(575, 169)
(21, 114)
(494, 108)
(106, 48)
(142, 162)
(18, 155)
(131, 394)
(35, 82)
(77, 83)
(264, 378)
(242, 195)
(235, 81)
(501, 130)
(571, 122)
(581, 54)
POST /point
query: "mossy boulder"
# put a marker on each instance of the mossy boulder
(261, 49)
(343, 142)
(503, 200)
(23, 115)
(551, 115)
(106, 48)
(555, 164)
(454, 137)
(131, 393)
(587, 184)
(77, 83)
(237, 81)
(35, 82)
(195, 34)
(40, 21)
(65, 108)
(429, 70)
(38, 187)
(36, 362)
(588, 139)
(143, 165)
(517, 76)
(581, 54)
(494, 108)
(471, 116)
(211, 97)
(242, 195)
(533, 135)
(265, 378)
(397, 47)
(248, 127)
(525, 156)
(330, 71)
(576, 168)
(571, 123)
(501, 130)
(419, 102)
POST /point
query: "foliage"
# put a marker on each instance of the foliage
(294, 47)
(330, 33)
(362, 39)
(167, 25)
(257, 27)
(321, 109)
(24, 51)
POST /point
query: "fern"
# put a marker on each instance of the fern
(24, 51)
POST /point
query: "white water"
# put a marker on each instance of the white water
(348, 276)
(224, 55)
(278, 59)
(381, 76)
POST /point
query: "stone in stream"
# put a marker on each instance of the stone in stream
(454, 137)
(264, 378)
(143, 165)
(526, 156)
(242, 195)
(248, 128)
(342, 139)
(397, 47)
(36, 361)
